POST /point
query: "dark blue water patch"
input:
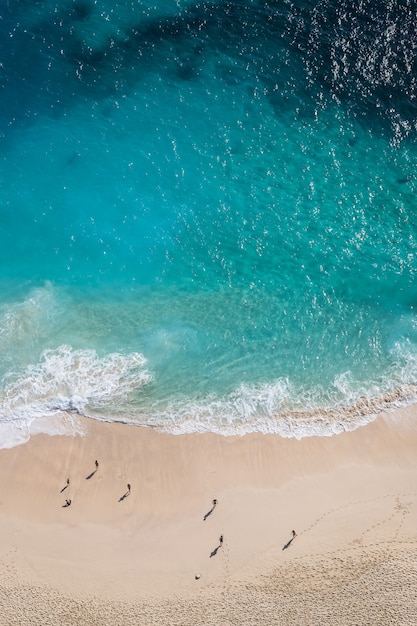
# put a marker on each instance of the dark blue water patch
(36, 78)
(172, 45)
(303, 54)
(179, 46)
(364, 54)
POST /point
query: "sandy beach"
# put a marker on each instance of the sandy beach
(152, 555)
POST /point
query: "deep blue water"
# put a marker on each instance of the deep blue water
(208, 215)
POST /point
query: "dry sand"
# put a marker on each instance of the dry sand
(109, 560)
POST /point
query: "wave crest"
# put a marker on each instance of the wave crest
(71, 380)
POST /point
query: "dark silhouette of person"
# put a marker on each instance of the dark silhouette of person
(221, 540)
(128, 488)
(294, 534)
(214, 502)
(67, 503)
(68, 481)
(96, 464)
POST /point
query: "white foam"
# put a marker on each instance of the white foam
(275, 409)
(48, 395)
(63, 382)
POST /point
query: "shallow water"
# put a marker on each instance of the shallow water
(207, 214)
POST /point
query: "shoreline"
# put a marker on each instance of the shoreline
(289, 423)
(351, 498)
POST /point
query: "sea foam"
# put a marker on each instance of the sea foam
(64, 382)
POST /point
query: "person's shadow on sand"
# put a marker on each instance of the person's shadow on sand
(287, 545)
(211, 510)
(93, 472)
(125, 494)
(218, 547)
(66, 486)
(214, 551)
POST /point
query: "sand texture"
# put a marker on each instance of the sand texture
(153, 556)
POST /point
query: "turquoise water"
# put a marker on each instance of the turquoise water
(207, 215)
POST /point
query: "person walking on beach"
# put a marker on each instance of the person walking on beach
(221, 540)
(66, 485)
(128, 488)
(294, 534)
(213, 506)
(96, 464)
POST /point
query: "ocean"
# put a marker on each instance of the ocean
(208, 214)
